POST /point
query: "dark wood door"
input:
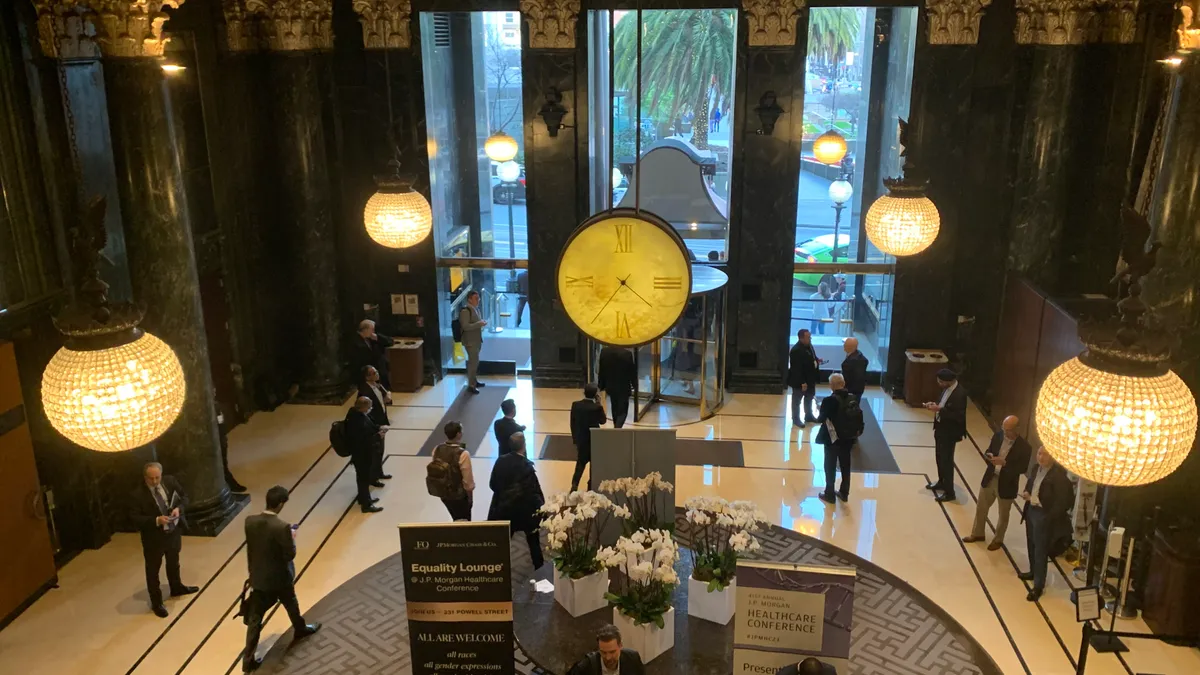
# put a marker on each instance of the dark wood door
(27, 565)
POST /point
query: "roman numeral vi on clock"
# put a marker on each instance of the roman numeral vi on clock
(622, 325)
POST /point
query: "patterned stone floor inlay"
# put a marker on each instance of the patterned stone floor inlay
(897, 631)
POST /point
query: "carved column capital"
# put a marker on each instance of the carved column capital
(240, 26)
(1075, 22)
(65, 29)
(772, 23)
(131, 28)
(551, 23)
(278, 25)
(385, 23)
(1187, 33)
(954, 22)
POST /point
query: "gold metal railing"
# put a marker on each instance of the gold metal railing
(485, 263)
(844, 268)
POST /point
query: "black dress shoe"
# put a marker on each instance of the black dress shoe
(472, 390)
(159, 611)
(798, 423)
(377, 484)
(374, 499)
(827, 497)
(946, 497)
(184, 590)
(971, 539)
(372, 509)
(481, 384)
(932, 486)
(308, 630)
(1025, 576)
(1034, 594)
(386, 476)
(251, 665)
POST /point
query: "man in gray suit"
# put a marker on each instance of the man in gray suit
(471, 322)
(270, 552)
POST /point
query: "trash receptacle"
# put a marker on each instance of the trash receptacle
(406, 363)
(920, 375)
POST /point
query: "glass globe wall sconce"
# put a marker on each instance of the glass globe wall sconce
(508, 172)
(552, 112)
(112, 387)
(397, 216)
(500, 147)
(768, 111)
(1116, 414)
(840, 191)
(829, 148)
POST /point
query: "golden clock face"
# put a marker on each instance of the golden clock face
(624, 277)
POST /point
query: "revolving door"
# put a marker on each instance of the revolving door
(686, 366)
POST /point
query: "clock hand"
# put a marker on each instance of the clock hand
(610, 299)
(639, 295)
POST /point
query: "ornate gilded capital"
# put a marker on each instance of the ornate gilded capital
(1187, 32)
(954, 22)
(131, 28)
(1076, 22)
(385, 23)
(65, 29)
(551, 23)
(278, 25)
(772, 23)
(240, 27)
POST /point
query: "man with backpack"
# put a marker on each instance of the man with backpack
(361, 437)
(841, 423)
(449, 476)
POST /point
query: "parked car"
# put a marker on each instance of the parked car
(819, 250)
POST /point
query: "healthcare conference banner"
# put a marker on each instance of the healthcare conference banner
(786, 613)
(458, 589)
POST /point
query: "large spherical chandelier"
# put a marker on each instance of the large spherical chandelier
(904, 221)
(500, 147)
(829, 148)
(397, 216)
(1116, 414)
(112, 387)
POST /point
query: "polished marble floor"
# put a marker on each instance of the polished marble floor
(97, 620)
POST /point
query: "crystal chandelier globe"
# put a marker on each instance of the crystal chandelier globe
(1116, 414)
(904, 221)
(112, 387)
(829, 147)
(500, 147)
(397, 216)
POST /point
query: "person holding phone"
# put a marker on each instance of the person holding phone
(586, 414)
(158, 511)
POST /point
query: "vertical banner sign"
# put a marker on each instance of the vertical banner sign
(786, 613)
(458, 588)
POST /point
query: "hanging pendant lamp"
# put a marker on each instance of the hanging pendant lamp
(397, 216)
(904, 221)
(500, 147)
(1116, 414)
(112, 387)
(829, 148)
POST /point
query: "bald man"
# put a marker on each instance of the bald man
(1008, 457)
(854, 368)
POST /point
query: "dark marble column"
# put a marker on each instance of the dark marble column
(305, 219)
(556, 204)
(765, 172)
(158, 239)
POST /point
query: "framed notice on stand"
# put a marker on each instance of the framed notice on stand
(458, 590)
(787, 613)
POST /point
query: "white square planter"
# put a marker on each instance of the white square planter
(649, 640)
(717, 607)
(580, 596)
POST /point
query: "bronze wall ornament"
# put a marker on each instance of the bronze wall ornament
(954, 22)
(551, 23)
(386, 24)
(772, 23)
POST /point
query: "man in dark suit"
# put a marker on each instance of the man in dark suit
(364, 436)
(1049, 497)
(836, 451)
(371, 388)
(1007, 456)
(804, 369)
(854, 368)
(609, 657)
(517, 496)
(522, 294)
(270, 552)
(586, 414)
(370, 349)
(506, 426)
(949, 427)
(158, 509)
(617, 376)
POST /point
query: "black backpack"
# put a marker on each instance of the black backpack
(849, 420)
(337, 438)
(456, 330)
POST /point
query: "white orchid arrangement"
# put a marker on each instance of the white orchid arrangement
(647, 560)
(640, 496)
(721, 533)
(573, 522)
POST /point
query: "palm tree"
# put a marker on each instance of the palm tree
(832, 31)
(687, 60)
